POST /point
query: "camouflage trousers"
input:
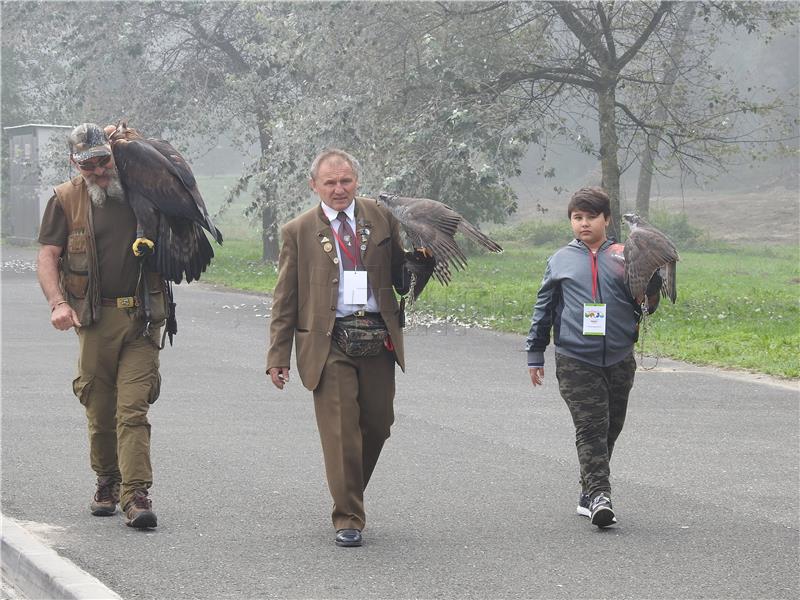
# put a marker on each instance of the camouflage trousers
(597, 398)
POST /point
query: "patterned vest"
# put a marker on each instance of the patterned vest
(79, 271)
(79, 266)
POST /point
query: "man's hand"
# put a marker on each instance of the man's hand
(47, 271)
(537, 375)
(63, 317)
(279, 376)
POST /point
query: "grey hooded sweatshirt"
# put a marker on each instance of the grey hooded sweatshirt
(566, 286)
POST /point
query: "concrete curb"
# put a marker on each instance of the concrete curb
(37, 571)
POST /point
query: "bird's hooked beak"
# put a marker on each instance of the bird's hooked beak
(117, 132)
(386, 198)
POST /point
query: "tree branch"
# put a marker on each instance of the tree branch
(557, 75)
(588, 38)
(607, 33)
(476, 11)
(662, 9)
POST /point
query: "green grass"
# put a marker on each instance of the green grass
(736, 308)
(232, 222)
(237, 264)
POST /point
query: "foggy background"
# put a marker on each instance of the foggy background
(311, 75)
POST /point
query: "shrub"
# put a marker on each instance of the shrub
(678, 229)
(534, 233)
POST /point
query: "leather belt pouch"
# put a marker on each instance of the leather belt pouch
(360, 336)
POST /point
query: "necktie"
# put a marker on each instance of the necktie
(348, 238)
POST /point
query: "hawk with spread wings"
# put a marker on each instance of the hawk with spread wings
(648, 250)
(431, 225)
(170, 212)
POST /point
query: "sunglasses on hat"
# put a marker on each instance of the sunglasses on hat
(93, 163)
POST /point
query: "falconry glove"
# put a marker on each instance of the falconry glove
(654, 285)
(417, 270)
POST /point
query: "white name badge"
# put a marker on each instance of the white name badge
(594, 319)
(355, 287)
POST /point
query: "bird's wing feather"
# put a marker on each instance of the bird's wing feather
(182, 250)
(668, 284)
(477, 236)
(160, 174)
(180, 166)
(433, 225)
(143, 169)
(646, 251)
(184, 172)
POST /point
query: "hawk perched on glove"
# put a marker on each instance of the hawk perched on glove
(431, 226)
(648, 250)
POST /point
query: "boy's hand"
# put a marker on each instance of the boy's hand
(537, 375)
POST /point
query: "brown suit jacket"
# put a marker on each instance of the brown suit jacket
(304, 301)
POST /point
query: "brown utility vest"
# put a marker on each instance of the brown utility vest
(79, 266)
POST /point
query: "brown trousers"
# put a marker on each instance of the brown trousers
(117, 381)
(354, 408)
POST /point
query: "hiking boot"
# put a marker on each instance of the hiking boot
(602, 514)
(139, 511)
(104, 503)
(584, 501)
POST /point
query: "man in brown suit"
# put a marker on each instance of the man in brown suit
(321, 287)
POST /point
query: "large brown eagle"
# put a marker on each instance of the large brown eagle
(648, 250)
(431, 225)
(170, 212)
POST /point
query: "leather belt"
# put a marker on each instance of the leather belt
(124, 302)
(362, 313)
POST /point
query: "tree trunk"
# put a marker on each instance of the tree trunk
(269, 210)
(608, 153)
(651, 141)
(269, 229)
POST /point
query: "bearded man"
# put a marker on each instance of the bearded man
(92, 281)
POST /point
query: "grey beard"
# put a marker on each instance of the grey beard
(98, 195)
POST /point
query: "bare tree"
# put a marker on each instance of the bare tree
(607, 60)
(671, 69)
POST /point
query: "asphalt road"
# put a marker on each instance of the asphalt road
(474, 496)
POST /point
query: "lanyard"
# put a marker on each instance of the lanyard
(344, 248)
(593, 261)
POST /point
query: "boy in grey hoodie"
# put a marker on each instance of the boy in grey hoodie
(595, 323)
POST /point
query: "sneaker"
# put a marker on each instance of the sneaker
(104, 503)
(139, 511)
(583, 505)
(602, 514)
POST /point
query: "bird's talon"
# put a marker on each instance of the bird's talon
(142, 247)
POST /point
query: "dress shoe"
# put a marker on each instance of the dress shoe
(348, 538)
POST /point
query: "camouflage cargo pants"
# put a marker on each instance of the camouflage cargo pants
(597, 398)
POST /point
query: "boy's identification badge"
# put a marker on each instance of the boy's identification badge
(594, 319)
(354, 287)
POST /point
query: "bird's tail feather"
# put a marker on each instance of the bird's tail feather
(669, 284)
(213, 230)
(477, 236)
(182, 251)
